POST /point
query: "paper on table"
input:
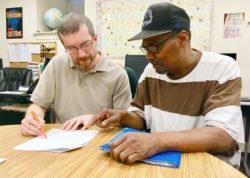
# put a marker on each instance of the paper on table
(2, 160)
(58, 141)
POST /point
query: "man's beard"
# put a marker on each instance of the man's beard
(83, 63)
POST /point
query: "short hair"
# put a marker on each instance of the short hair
(72, 22)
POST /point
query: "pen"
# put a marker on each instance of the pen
(36, 119)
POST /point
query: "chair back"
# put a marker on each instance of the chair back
(1, 74)
(1, 63)
(15, 77)
(136, 62)
(2, 84)
(133, 80)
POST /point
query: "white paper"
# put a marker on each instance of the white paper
(12, 54)
(2, 160)
(58, 141)
(23, 88)
(34, 48)
(22, 52)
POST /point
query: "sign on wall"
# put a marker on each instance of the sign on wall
(14, 22)
(232, 24)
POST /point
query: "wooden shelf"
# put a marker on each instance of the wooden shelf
(46, 35)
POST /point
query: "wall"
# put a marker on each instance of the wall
(239, 45)
(90, 10)
(33, 10)
(32, 22)
(43, 31)
(42, 6)
(219, 44)
(29, 14)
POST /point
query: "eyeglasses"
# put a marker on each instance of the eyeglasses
(73, 49)
(155, 48)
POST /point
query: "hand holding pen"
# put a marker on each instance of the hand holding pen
(37, 120)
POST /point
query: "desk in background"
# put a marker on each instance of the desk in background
(94, 163)
(14, 113)
(13, 105)
(11, 97)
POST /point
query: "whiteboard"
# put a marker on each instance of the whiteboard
(119, 20)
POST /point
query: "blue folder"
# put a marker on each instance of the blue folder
(167, 158)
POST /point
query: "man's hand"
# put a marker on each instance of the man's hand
(108, 118)
(31, 127)
(133, 147)
(82, 122)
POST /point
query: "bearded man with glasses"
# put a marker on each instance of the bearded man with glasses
(79, 83)
(188, 99)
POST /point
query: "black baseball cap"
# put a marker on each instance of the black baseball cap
(163, 18)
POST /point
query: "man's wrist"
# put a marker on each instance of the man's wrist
(124, 118)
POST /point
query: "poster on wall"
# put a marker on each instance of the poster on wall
(14, 22)
(232, 24)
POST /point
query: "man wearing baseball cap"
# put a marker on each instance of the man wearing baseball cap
(188, 99)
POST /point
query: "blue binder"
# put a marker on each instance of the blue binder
(167, 158)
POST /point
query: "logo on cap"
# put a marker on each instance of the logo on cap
(148, 17)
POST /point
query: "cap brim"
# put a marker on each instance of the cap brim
(146, 34)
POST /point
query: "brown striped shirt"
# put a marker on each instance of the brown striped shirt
(208, 95)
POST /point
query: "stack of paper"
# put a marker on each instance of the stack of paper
(167, 158)
(58, 141)
(34, 66)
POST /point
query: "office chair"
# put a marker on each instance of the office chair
(1, 80)
(1, 74)
(136, 62)
(133, 80)
(1, 63)
(15, 77)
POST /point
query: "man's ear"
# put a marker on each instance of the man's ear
(95, 37)
(184, 37)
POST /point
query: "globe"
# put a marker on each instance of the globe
(52, 17)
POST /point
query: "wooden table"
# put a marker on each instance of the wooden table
(94, 163)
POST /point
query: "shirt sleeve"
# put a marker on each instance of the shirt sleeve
(44, 92)
(222, 107)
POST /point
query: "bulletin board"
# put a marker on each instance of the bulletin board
(119, 20)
